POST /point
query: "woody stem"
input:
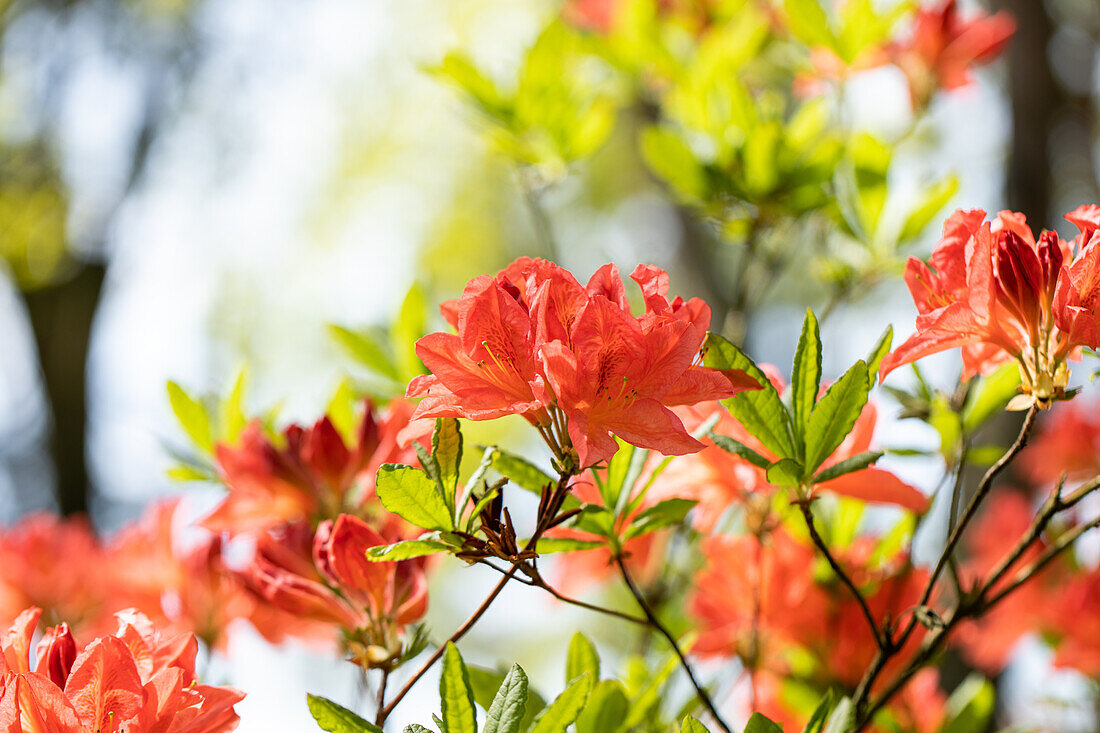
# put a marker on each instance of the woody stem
(540, 582)
(807, 514)
(379, 719)
(656, 624)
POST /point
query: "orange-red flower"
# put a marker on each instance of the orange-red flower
(1000, 294)
(314, 475)
(1073, 619)
(573, 361)
(326, 577)
(944, 47)
(1067, 441)
(134, 681)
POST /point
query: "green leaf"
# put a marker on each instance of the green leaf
(761, 411)
(806, 373)
(406, 550)
(582, 658)
(662, 514)
(833, 417)
(407, 330)
(931, 202)
(759, 724)
(231, 417)
(808, 22)
(737, 448)
(521, 472)
(447, 451)
(192, 416)
(786, 473)
(336, 718)
(691, 725)
(550, 545)
(843, 719)
(849, 465)
(595, 519)
(617, 468)
(416, 728)
(365, 350)
(563, 711)
(455, 695)
(882, 348)
(605, 710)
(970, 706)
(486, 683)
(409, 492)
(508, 707)
(672, 160)
(990, 396)
(821, 713)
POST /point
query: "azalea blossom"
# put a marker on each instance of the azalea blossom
(1074, 624)
(1000, 294)
(133, 681)
(943, 48)
(1067, 441)
(574, 361)
(314, 474)
(326, 577)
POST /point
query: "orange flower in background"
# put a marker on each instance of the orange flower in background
(33, 573)
(134, 681)
(944, 48)
(574, 362)
(326, 578)
(1068, 441)
(1000, 294)
(989, 640)
(314, 475)
(1073, 619)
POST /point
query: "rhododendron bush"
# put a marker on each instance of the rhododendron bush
(764, 554)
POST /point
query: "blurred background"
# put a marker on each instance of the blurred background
(189, 187)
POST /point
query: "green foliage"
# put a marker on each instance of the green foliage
(411, 494)
(970, 707)
(336, 718)
(506, 713)
(456, 696)
(207, 421)
(582, 659)
(804, 436)
(558, 112)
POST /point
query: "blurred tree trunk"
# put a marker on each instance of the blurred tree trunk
(61, 316)
(1036, 98)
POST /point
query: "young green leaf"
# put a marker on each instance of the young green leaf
(850, 465)
(336, 718)
(671, 159)
(447, 451)
(878, 353)
(605, 710)
(843, 719)
(563, 711)
(970, 706)
(835, 414)
(738, 448)
(617, 468)
(786, 473)
(192, 416)
(406, 549)
(662, 514)
(934, 198)
(455, 695)
(409, 326)
(691, 725)
(761, 411)
(365, 350)
(550, 545)
(582, 658)
(508, 707)
(486, 683)
(416, 728)
(821, 713)
(409, 492)
(520, 471)
(759, 724)
(806, 373)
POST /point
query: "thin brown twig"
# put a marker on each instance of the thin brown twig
(379, 718)
(660, 628)
(811, 527)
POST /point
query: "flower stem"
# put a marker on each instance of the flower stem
(660, 628)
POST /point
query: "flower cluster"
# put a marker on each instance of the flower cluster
(135, 680)
(1000, 294)
(573, 360)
